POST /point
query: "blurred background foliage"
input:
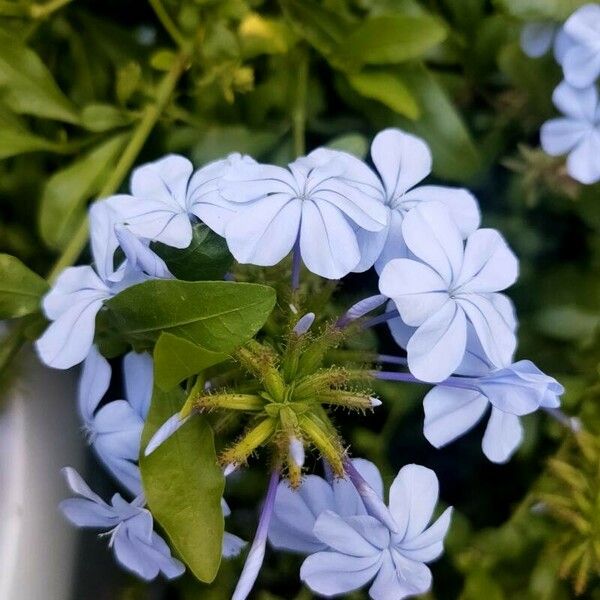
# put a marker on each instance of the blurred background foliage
(89, 89)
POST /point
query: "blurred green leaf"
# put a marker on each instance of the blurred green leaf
(391, 39)
(27, 85)
(353, 143)
(65, 194)
(103, 117)
(21, 289)
(455, 155)
(176, 359)
(207, 256)
(322, 28)
(217, 315)
(540, 10)
(388, 88)
(15, 140)
(183, 485)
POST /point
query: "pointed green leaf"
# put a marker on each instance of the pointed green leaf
(207, 256)
(15, 139)
(388, 88)
(27, 85)
(391, 39)
(218, 315)
(183, 485)
(176, 359)
(21, 289)
(66, 193)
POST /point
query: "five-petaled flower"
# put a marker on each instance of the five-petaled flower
(309, 203)
(348, 547)
(447, 286)
(129, 525)
(577, 133)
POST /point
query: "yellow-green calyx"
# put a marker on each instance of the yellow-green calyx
(287, 407)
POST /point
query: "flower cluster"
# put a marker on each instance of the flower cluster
(441, 280)
(577, 50)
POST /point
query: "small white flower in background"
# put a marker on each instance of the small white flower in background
(581, 61)
(167, 194)
(516, 389)
(309, 203)
(577, 133)
(115, 430)
(446, 285)
(136, 545)
(348, 548)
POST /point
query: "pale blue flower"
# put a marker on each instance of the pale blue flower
(166, 196)
(115, 429)
(581, 61)
(309, 203)
(402, 161)
(455, 406)
(79, 292)
(538, 37)
(350, 548)
(137, 547)
(577, 133)
(446, 285)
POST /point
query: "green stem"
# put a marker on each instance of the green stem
(299, 108)
(149, 118)
(168, 23)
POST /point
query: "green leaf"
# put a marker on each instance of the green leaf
(183, 485)
(455, 155)
(322, 28)
(65, 195)
(353, 143)
(392, 39)
(176, 359)
(218, 315)
(21, 289)
(262, 35)
(207, 257)
(540, 10)
(388, 88)
(15, 140)
(27, 85)
(103, 117)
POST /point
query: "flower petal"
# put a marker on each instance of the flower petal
(559, 136)
(417, 290)
(232, 545)
(328, 243)
(265, 231)
(536, 38)
(489, 265)
(247, 182)
(432, 235)
(413, 496)
(581, 65)
(437, 347)
(450, 413)
(402, 160)
(583, 164)
(579, 104)
(93, 384)
(394, 245)
(139, 381)
(85, 513)
(502, 436)
(461, 204)
(331, 573)
(429, 545)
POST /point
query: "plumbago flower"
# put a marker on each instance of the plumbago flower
(349, 548)
(115, 430)
(441, 277)
(447, 285)
(310, 204)
(79, 292)
(458, 404)
(577, 133)
(137, 547)
(402, 161)
(166, 195)
(581, 61)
